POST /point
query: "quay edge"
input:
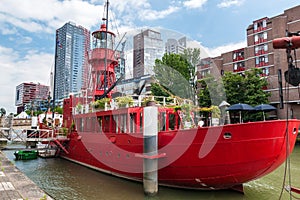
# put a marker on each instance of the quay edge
(16, 185)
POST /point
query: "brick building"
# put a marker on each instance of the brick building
(28, 93)
(259, 53)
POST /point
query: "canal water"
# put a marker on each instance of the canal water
(64, 180)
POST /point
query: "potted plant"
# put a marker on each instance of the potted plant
(124, 101)
(215, 115)
(100, 103)
(79, 108)
(148, 101)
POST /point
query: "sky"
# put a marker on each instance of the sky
(27, 29)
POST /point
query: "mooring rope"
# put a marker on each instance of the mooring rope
(287, 161)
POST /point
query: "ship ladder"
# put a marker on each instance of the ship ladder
(61, 146)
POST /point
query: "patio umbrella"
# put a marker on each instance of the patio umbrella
(224, 104)
(264, 108)
(240, 107)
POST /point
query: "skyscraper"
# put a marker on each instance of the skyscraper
(175, 46)
(148, 46)
(71, 60)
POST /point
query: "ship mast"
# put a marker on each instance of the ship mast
(103, 61)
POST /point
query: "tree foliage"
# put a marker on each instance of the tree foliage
(176, 74)
(247, 88)
(192, 55)
(2, 112)
(172, 72)
(211, 91)
(157, 90)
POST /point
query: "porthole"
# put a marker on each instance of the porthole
(227, 136)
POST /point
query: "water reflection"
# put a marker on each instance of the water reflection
(65, 180)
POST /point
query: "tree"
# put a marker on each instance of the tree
(172, 72)
(192, 55)
(247, 88)
(255, 83)
(157, 90)
(211, 92)
(58, 109)
(234, 87)
(2, 112)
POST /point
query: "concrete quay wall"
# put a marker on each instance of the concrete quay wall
(14, 185)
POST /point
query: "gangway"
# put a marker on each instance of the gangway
(32, 136)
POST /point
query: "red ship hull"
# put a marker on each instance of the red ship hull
(209, 158)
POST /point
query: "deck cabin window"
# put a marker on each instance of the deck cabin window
(81, 124)
(141, 120)
(106, 123)
(132, 122)
(99, 126)
(172, 122)
(162, 121)
(117, 123)
(89, 124)
(93, 124)
(123, 123)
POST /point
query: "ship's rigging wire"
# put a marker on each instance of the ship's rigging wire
(287, 166)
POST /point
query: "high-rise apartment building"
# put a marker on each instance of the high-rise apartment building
(176, 46)
(27, 93)
(71, 60)
(148, 46)
(259, 53)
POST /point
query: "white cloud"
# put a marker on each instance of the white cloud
(229, 3)
(192, 4)
(154, 15)
(217, 51)
(35, 66)
(48, 15)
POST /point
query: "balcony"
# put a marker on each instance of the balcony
(239, 69)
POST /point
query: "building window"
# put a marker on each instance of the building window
(260, 37)
(265, 47)
(256, 60)
(261, 49)
(256, 49)
(265, 72)
(238, 67)
(264, 23)
(238, 55)
(266, 59)
(255, 26)
(265, 35)
(235, 67)
(255, 38)
(261, 61)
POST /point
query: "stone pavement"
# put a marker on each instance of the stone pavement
(14, 185)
